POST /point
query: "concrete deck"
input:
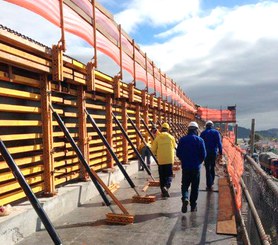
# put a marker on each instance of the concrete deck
(160, 222)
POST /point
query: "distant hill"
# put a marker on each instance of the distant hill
(270, 133)
(245, 133)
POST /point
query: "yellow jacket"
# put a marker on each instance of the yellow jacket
(163, 147)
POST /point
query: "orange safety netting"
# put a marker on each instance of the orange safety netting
(110, 40)
(234, 166)
(217, 115)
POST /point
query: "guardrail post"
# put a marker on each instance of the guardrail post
(47, 137)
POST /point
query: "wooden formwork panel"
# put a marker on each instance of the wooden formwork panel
(22, 64)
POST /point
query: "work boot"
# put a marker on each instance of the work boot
(184, 205)
(165, 192)
(194, 208)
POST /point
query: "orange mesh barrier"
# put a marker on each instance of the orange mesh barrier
(217, 115)
(110, 40)
(234, 166)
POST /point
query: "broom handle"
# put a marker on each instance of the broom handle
(142, 138)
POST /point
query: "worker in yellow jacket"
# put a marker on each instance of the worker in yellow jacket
(163, 147)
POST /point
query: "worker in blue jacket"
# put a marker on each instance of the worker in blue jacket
(192, 152)
(213, 144)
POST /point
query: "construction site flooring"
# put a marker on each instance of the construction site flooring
(160, 222)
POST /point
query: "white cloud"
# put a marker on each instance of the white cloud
(155, 12)
(224, 57)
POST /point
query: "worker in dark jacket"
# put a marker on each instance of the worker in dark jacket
(191, 151)
(213, 144)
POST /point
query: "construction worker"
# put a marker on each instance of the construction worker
(163, 147)
(213, 145)
(154, 131)
(145, 152)
(191, 151)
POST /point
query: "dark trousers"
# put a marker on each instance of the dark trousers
(145, 154)
(190, 177)
(210, 169)
(165, 175)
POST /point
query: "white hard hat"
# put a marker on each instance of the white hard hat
(193, 125)
(209, 122)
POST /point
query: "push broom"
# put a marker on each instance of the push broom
(137, 197)
(113, 218)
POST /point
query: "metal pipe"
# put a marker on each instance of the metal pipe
(133, 147)
(142, 138)
(266, 177)
(80, 156)
(29, 193)
(146, 127)
(92, 121)
(264, 237)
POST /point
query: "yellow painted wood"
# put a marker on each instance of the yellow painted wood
(11, 137)
(22, 161)
(13, 59)
(18, 194)
(21, 149)
(20, 123)
(25, 171)
(64, 178)
(13, 185)
(25, 55)
(19, 108)
(12, 93)
(22, 80)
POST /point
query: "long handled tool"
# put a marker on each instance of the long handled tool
(147, 128)
(125, 218)
(137, 197)
(142, 138)
(29, 193)
(153, 182)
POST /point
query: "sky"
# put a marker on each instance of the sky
(222, 53)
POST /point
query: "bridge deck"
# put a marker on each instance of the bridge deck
(160, 222)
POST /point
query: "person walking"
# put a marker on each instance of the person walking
(213, 145)
(191, 151)
(145, 152)
(163, 147)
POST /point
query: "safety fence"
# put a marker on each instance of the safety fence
(28, 88)
(262, 224)
(91, 22)
(216, 115)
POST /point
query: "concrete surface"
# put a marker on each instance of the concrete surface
(160, 222)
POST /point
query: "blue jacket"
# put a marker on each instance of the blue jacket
(191, 151)
(212, 141)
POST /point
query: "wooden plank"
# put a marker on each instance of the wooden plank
(9, 123)
(19, 108)
(21, 80)
(18, 194)
(226, 217)
(22, 54)
(11, 137)
(22, 62)
(19, 94)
